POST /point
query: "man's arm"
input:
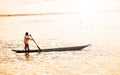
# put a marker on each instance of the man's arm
(30, 37)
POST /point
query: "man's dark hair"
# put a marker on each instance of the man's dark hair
(26, 33)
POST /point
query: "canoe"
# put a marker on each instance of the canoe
(74, 48)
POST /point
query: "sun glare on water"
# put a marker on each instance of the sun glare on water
(81, 10)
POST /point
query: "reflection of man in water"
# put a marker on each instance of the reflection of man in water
(26, 39)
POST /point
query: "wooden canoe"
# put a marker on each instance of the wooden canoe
(74, 48)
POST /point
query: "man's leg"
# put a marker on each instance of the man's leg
(28, 47)
(27, 51)
(25, 47)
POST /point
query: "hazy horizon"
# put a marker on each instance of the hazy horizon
(57, 6)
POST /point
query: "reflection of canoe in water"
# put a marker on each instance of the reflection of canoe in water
(75, 48)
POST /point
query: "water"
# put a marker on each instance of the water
(99, 26)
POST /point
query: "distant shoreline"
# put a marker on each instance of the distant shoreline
(34, 14)
(52, 13)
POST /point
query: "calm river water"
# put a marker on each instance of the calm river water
(52, 26)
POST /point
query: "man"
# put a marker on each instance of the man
(26, 39)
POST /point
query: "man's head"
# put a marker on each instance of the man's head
(26, 33)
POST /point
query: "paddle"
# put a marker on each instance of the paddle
(36, 43)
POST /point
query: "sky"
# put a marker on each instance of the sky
(47, 6)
